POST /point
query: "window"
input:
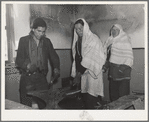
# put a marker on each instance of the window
(9, 33)
(5, 36)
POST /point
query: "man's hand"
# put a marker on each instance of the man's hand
(31, 68)
(56, 75)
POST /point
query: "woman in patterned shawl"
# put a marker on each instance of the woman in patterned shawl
(119, 61)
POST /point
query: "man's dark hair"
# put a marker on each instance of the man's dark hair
(79, 21)
(39, 22)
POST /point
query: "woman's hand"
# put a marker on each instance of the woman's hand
(77, 79)
(104, 69)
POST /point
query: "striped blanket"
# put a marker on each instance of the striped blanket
(121, 50)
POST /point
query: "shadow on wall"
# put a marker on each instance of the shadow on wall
(131, 15)
(60, 19)
(102, 29)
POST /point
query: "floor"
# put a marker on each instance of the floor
(71, 103)
(74, 102)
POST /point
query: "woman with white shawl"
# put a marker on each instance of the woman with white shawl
(119, 62)
(88, 55)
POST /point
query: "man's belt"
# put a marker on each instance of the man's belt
(28, 73)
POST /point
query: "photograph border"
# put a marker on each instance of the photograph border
(73, 115)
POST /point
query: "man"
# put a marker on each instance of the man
(89, 58)
(34, 52)
(119, 61)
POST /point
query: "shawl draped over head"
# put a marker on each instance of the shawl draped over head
(92, 59)
(92, 52)
(121, 49)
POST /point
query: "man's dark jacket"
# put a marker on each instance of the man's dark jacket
(49, 53)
